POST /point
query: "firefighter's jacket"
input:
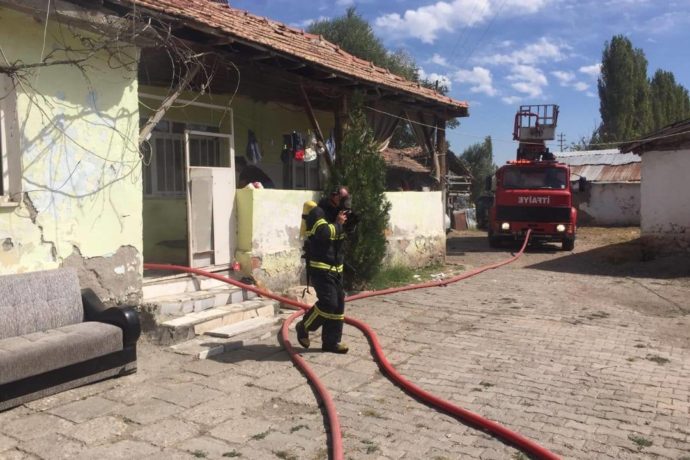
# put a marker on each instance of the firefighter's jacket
(325, 237)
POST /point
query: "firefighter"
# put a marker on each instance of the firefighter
(325, 225)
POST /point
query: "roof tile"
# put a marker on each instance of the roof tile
(290, 41)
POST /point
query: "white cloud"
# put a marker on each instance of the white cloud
(567, 79)
(511, 100)
(590, 94)
(427, 22)
(439, 60)
(307, 22)
(442, 80)
(564, 77)
(479, 79)
(528, 80)
(540, 51)
(592, 70)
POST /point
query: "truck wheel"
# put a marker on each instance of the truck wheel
(568, 244)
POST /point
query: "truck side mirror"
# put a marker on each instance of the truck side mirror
(582, 184)
(487, 183)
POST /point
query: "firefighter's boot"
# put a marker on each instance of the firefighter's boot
(302, 335)
(340, 348)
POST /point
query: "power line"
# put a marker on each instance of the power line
(646, 139)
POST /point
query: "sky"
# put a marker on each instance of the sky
(499, 54)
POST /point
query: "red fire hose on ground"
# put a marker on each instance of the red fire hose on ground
(524, 444)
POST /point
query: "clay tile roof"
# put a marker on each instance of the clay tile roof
(404, 159)
(276, 36)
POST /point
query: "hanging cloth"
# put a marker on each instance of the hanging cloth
(298, 146)
(330, 146)
(310, 148)
(253, 149)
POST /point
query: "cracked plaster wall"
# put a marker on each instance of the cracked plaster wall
(665, 206)
(269, 247)
(81, 180)
(609, 204)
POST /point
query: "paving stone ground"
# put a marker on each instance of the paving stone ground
(586, 354)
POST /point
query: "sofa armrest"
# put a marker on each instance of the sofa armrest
(125, 317)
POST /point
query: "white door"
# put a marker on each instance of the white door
(211, 216)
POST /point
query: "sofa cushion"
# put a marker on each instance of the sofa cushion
(33, 354)
(38, 301)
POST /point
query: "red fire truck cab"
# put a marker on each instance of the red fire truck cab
(533, 195)
(533, 191)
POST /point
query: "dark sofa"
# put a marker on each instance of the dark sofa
(54, 336)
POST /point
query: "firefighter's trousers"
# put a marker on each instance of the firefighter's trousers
(329, 310)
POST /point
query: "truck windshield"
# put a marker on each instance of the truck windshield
(534, 178)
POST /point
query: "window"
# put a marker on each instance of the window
(9, 142)
(163, 172)
(534, 178)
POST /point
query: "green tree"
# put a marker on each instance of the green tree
(354, 34)
(363, 170)
(480, 160)
(669, 100)
(624, 102)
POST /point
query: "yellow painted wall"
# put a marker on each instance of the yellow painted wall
(162, 217)
(417, 234)
(269, 246)
(80, 161)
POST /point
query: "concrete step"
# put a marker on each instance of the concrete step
(177, 304)
(205, 346)
(182, 328)
(181, 283)
(231, 330)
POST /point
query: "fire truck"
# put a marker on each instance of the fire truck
(534, 190)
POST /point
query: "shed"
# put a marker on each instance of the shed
(613, 195)
(665, 207)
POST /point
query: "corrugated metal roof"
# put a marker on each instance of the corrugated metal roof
(631, 172)
(597, 157)
(287, 40)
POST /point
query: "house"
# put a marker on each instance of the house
(123, 121)
(665, 207)
(612, 197)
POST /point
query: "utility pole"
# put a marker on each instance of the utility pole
(561, 140)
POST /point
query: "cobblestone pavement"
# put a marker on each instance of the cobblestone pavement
(590, 366)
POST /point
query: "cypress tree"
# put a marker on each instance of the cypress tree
(362, 169)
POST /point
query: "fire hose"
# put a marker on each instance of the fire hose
(526, 445)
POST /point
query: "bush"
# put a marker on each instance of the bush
(362, 169)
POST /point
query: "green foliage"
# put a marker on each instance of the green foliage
(623, 91)
(403, 136)
(631, 105)
(354, 34)
(670, 100)
(480, 160)
(360, 166)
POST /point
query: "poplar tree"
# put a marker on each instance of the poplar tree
(624, 102)
(670, 100)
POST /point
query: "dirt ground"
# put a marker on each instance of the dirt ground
(612, 259)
